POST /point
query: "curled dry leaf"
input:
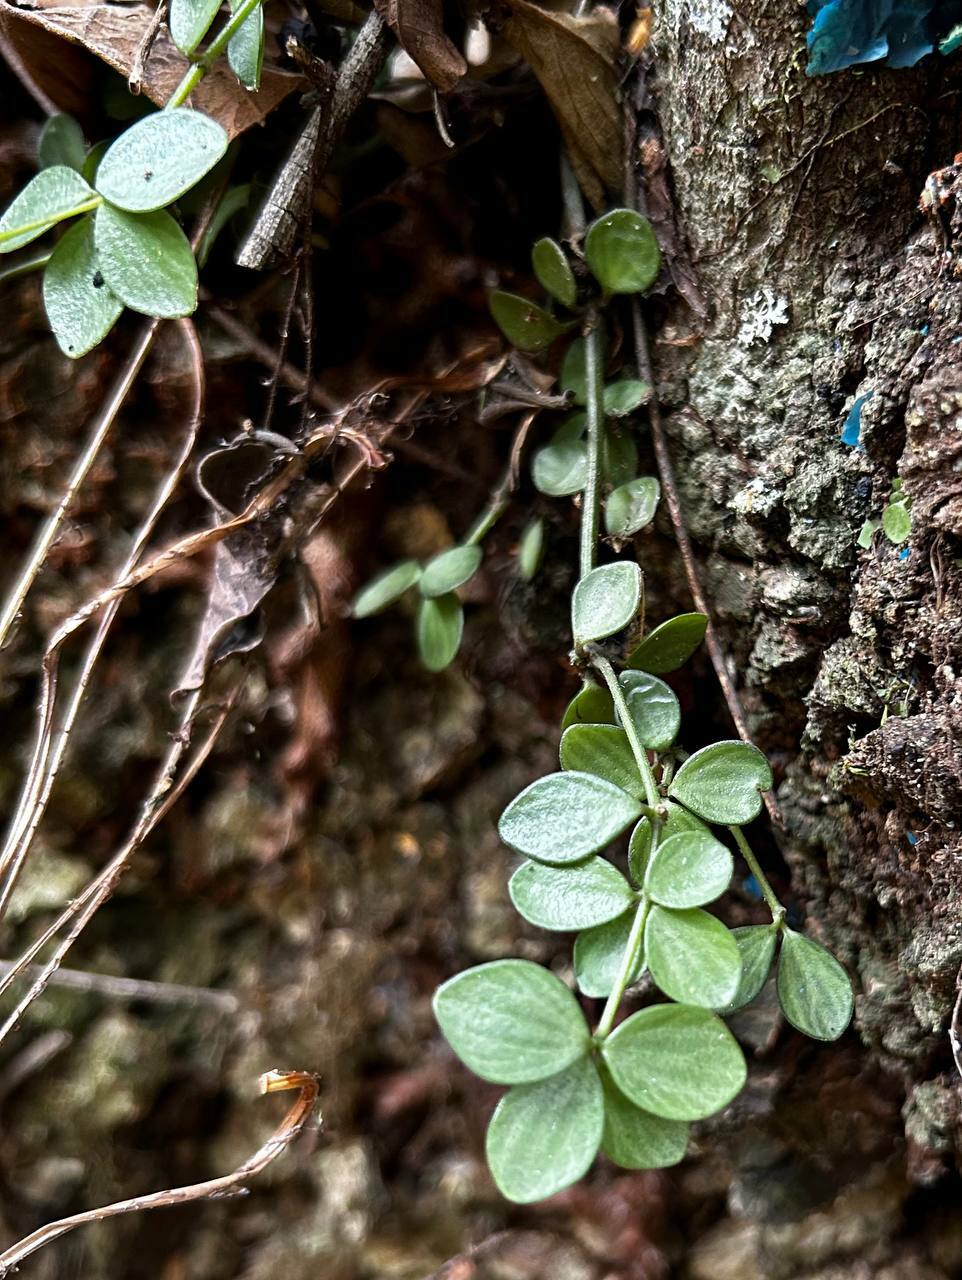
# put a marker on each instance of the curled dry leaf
(575, 59)
(114, 33)
(419, 26)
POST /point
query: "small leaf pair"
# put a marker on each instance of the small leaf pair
(190, 20)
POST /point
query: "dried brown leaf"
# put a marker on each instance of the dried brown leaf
(114, 33)
(419, 26)
(575, 60)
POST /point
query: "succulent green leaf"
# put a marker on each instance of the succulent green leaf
(813, 989)
(897, 522)
(639, 847)
(80, 306)
(553, 270)
(92, 162)
(159, 158)
(564, 817)
(531, 548)
(574, 376)
(723, 782)
(671, 645)
(631, 506)
(526, 325)
(604, 750)
(449, 570)
(622, 252)
(692, 957)
(569, 898)
(688, 870)
(605, 601)
(675, 1061)
(245, 52)
(146, 260)
(511, 1021)
(591, 705)
(625, 396)
(385, 588)
(653, 708)
(636, 1139)
(61, 142)
(189, 22)
(560, 467)
(598, 954)
(619, 455)
(54, 194)
(756, 946)
(543, 1137)
(439, 627)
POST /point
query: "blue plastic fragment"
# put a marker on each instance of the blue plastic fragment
(924, 331)
(852, 427)
(752, 888)
(911, 837)
(846, 33)
(905, 553)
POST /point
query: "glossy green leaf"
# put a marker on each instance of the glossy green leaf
(689, 869)
(573, 376)
(564, 817)
(245, 52)
(692, 957)
(756, 946)
(602, 749)
(233, 201)
(723, 782)
(80, 306)
(531, 549)
(813, 989)
(631, 506)
(439, 627)
(636, 1139)
(622, 252)
(653, 708)
(605, 601)
(676, 1061)
(147, 261)
(543, 1137)
(591, 705)
(449, 570)
(61, 142)
(189, 22)
(639, 847)
(896, 522)
(159, 158)
(526, 325)
(511, 1021)
(54, 194)
(570, 898)
(671, 645)
(386, 588)
(92, 162)
(553, 270)
(619, 455)
(624, 396)
(560, 467)
(598, 954)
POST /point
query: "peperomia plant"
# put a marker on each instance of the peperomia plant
(125, 248)
(629, 1088)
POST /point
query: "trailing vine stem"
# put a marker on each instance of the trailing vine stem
(607, 671)
(628, 961)
(768, 893)
(594, 380)
(203, 64)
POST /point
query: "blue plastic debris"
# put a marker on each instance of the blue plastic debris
(905, 553)
(912, 838)
(752, 888)
(924, 331)
(852, 427)
(848, 32)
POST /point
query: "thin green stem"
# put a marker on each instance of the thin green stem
(193, 77)
(601, 663)
(594, 383)
(768, 893)
(28, 264)
(43, 224)
(628, 961)
(486, 521)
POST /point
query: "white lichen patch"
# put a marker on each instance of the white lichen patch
(761, 313)
(710, 18)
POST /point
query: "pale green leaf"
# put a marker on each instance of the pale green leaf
(526, 325)
(624, 396)
(189, 22)
(449, 570)
(639, 847)
(591, 705)
(605, 601)
(564, 817)
(511, 1021)
(688, 870)
(439, 627)
(636, 1139)
(573, 376)
(692, 957)
(80, 306)
(386, 588)
(631, 506)
(147, 261)
(598, 954)
(61, 142)
(671, 645)
(159, 158)
(569, 898)
(756, 946)
(531, 549)
(813, 989)
(560, 467)
(603, 750)
(622, 252)
(553, 270)
(653, 708)
(54, 194)
(723, 782)
(245, 52)
(675, 1061)
(543, 1137)
(897, 522)
(619, 455)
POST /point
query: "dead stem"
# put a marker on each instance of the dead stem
(215, 1188)
(114, 987)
